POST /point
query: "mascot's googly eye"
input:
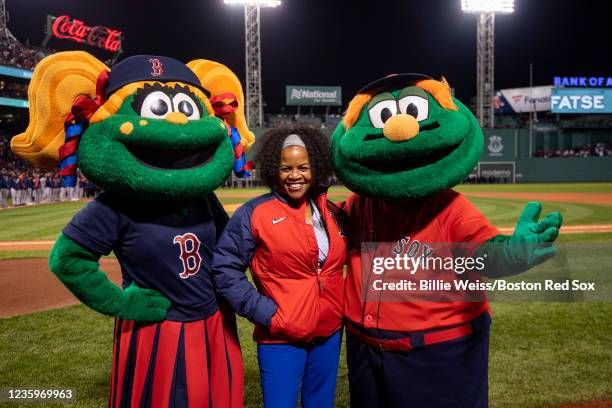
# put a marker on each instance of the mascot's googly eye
(415, 106)
(381, 112)
(184, 104)
(157, 105)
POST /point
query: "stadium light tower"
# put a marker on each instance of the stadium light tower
(5, 33)
(485, 42)
(254, 105)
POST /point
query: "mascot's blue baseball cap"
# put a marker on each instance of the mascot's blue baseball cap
(150, 68)
(393, 81)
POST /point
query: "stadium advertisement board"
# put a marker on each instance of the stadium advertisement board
(313, 95)
(504, 172)
(581, 100)
(582, 81)
(64, 27)
(519, 100)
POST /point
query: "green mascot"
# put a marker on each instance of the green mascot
(158, 137)
(402, 145)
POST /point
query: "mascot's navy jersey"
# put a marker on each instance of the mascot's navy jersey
(165, 246)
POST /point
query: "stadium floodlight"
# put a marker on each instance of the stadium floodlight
(488, 6)
(260, 3)
(254, 104)
(5, 33)
(485, 42)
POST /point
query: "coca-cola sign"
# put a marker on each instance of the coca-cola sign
(76, 30)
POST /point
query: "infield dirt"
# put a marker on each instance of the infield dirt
(28, 286)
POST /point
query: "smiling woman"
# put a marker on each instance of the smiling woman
(268, 157)
(295, 248)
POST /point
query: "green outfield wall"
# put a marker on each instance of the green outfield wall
(564, 169)
(509, 148)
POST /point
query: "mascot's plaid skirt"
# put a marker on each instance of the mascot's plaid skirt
(177, 364)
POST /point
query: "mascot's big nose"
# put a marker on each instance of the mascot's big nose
(177, 118)
(400, 128)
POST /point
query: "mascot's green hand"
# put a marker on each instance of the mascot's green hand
(529, 245)
(143, 305)
(531, 241)
(78, 269)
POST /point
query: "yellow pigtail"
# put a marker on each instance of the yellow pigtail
(218, 79)
(56, 82)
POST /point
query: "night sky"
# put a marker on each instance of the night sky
(348, 43)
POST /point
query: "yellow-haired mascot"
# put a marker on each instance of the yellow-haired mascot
(158, 137)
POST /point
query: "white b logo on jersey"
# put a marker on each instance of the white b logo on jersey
(190, 255)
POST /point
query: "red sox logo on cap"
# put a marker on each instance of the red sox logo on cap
(156, 65)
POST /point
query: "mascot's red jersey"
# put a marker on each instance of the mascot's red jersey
(442, 217)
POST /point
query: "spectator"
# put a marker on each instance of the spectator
(17, 55)
(599, 150)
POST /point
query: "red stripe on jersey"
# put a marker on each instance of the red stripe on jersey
(144, 347)
(145, 364)
(233, 356)
(112, 392)
(125, 334)
(219, 372)
(195, 363)
(164, 363)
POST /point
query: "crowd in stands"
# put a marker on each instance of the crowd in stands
(592, 121)
(15, 54)
(13, 90)
(598, 150)
(18, 55)
(547, 119)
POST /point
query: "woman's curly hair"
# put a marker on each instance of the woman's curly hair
(267, 158)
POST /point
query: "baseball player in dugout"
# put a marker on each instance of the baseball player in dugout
(402, 145)
(158, 137)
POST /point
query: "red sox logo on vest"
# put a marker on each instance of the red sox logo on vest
(405, 247)
(156, 65)
(190, 256)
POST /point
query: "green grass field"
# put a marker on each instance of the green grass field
(45, 221)
(542, 353)
(540, 187)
